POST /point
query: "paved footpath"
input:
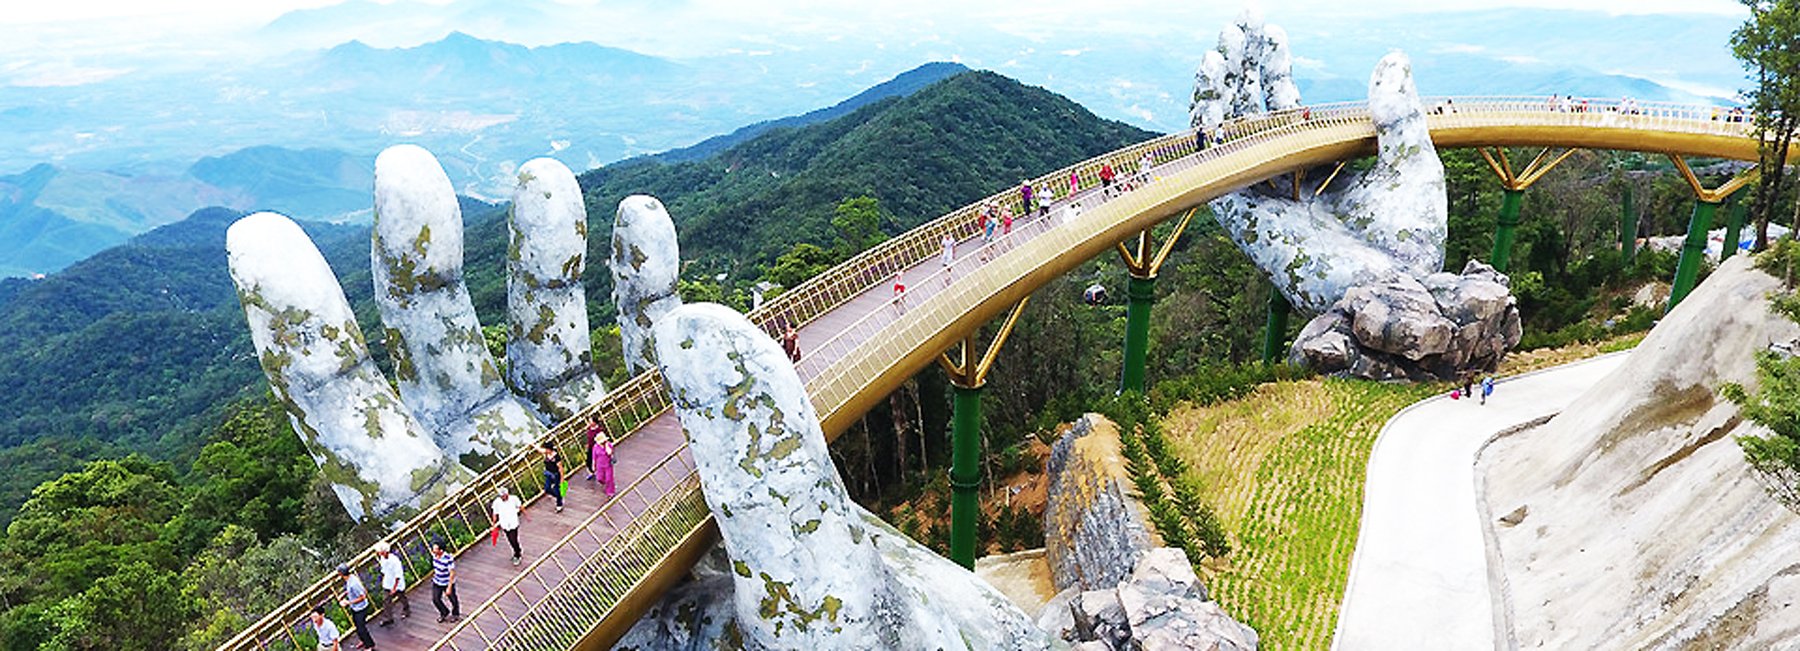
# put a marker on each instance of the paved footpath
(1419, 579)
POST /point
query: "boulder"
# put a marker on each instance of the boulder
(1100, 616)
(1440, 327)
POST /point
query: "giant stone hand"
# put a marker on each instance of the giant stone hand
(808, 568)
(386, 454)
(1373, 227)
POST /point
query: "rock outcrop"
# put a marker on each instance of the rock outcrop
(1404, 328)
(645, 265)
(1377, 226)
(446, 375)
(809, 569)
(377, 458)
(1120, 592)
(1094, 530)
(549, 348)
(1631, 520)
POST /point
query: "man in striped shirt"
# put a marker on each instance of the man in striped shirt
(443, 582)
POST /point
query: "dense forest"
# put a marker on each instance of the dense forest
(134, 418)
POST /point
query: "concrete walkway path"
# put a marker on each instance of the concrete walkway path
(1419, 577)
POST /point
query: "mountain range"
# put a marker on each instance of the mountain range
(140, 347)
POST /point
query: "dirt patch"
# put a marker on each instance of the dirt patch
(1024, 577)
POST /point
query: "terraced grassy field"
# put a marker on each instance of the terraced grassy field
(1283, 468)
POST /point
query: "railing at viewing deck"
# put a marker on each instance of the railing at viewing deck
(594, 587)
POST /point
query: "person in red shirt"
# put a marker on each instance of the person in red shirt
(1106, 178)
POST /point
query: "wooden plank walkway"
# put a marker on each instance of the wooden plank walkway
(486, 568)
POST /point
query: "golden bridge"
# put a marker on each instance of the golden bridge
(602, 563)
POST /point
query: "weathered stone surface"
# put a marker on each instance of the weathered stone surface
(1367, 228)
(1099, 615)
(1057, 617)
(1438, 328)
(446, 375)
(810, 569)
(1094, 529)
(1644, 526)
(379, 461)
(548, 349)
(645, 265)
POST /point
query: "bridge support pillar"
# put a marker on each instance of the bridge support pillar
(1513, 187)
(1693, 250)
(1734, 229)
(965, 474)
(1628, 226)
(968, 374)
(1275, 331)
(1503, 229)
(1706, 205)
(1140, 294)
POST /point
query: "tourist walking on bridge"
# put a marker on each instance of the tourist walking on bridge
(790, 341)
(443, 582)
(393, 583)
(1024, 197)
(593, 432)
(1074, 182)
(1106, 179)
(506, 514)
(1045, 196)
(553, 475)
(356, 601)
(602, 454)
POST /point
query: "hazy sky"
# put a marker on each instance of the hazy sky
(78, 27)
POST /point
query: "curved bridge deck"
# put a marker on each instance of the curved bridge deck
(595, 568)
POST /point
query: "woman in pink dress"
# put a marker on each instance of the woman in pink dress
(1074, 182)
(602, 455)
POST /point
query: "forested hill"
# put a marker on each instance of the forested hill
(921, 156)
(140, 347)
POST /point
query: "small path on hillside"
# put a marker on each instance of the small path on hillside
(1419, 577)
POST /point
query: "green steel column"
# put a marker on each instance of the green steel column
(1503, 233)
(1140, 294)
(965, 474)
(1734, 229)
(1275, 331)
(1628, 224)
(1693, 249)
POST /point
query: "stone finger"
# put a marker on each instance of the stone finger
(1399, 205)
(549, 350)
(645, 265)
(379, 461)
(783, 512)
(446, 375)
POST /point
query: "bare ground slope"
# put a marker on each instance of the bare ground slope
(1631, 521)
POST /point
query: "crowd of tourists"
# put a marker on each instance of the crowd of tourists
(505, 515)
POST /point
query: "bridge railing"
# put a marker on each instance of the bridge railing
(551, 602)
(461, 515)
(460, 518)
